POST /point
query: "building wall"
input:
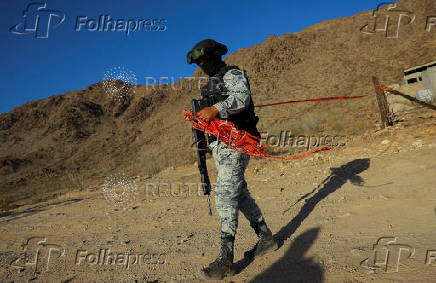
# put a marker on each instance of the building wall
(418, 72)
(416, 76)
(429, 79)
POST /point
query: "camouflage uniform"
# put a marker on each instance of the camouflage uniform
(231, 193)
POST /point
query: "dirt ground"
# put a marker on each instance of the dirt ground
(365, 213)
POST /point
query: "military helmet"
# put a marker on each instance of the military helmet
(207, 47)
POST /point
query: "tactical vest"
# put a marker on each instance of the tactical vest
(215, 91)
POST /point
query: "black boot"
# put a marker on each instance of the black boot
(223, 265)
(266, 241)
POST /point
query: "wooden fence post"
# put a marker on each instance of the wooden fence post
(382, 104)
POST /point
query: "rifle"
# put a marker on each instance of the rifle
(200, 141)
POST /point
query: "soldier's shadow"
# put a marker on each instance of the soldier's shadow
(338, 177)
(293, 266)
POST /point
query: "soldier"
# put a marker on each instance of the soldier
(230, 85)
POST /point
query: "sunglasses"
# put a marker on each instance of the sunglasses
(194, 55)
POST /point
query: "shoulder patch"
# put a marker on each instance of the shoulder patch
(236, 72)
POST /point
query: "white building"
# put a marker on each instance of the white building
(425, 74)
(422, 78)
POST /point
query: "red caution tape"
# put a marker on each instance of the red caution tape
(239, 140)
(244, 142)
(382, 88)
(315, 99)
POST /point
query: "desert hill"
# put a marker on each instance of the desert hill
(73, 140)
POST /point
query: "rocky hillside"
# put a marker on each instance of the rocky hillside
(74, 140)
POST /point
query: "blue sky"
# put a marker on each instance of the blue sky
(34, 68)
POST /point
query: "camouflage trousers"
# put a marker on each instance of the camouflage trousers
(231, 193)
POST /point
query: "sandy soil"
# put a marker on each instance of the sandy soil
(379, 188)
